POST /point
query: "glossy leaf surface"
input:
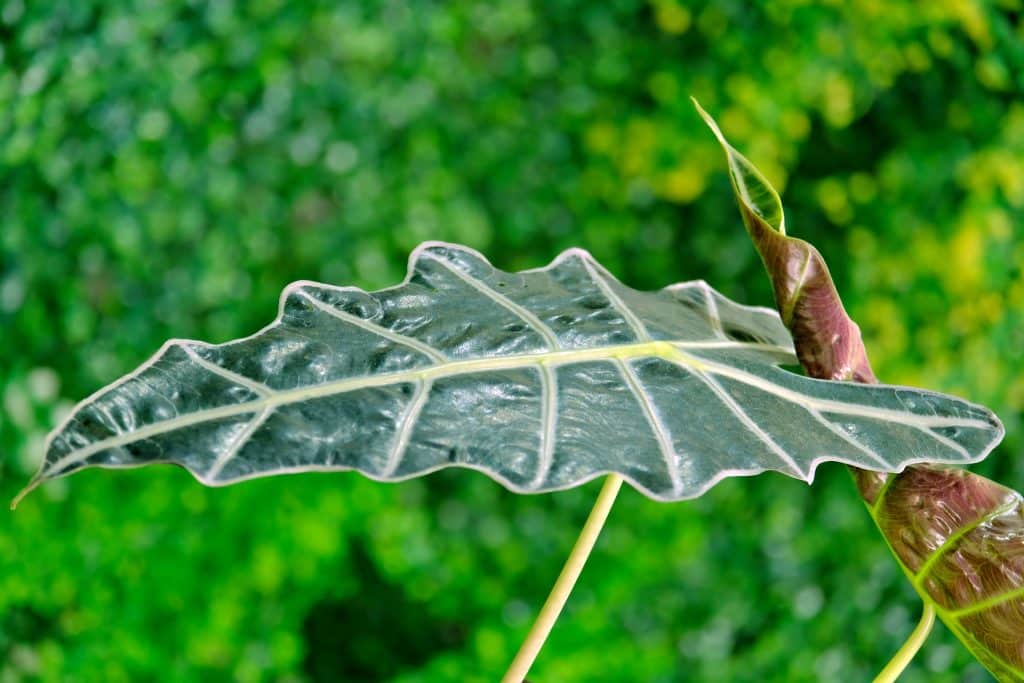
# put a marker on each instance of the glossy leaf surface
(958, 536)
(542, 379)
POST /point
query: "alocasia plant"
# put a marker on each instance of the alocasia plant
(542, 379)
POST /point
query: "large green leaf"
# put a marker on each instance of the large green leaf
(542, 379)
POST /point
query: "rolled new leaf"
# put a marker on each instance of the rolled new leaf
(542, 379)
(828, 342)
(958, 536)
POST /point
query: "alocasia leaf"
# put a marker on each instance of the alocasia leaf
(958, 536)
(542, 379)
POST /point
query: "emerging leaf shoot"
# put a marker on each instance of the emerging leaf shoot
(958, 536)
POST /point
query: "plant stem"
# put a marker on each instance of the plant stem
(906, 653)
(566, 580)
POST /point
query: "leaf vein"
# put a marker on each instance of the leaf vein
(650, 412)
(549, 419)
(713, 314)
(252, 385)
(983, 605)
(535, 323)
(405, 430)
(638, 327)
(236, 444)
(827, 405)
(954, 538)
(945, 441)
(749, 423)
(374, 328)
(847, 438)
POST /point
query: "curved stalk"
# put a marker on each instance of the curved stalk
(906, 653)
(566, 580)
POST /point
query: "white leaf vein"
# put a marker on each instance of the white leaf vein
(668, 451)
(376, 329)
(405, 430)
(945, 441)
(848, 438)
(554, 359)
(252, 385)
(237, 443)
(713, 313)
(825, 405)
(527, 316)
(638, 327)
(549, 420)
(749, 423)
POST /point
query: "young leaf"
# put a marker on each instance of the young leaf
(958, 536)
(542, 379)
(827, 341)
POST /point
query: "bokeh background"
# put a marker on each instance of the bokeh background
(167, 167)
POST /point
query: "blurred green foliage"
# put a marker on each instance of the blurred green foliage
(166, 167)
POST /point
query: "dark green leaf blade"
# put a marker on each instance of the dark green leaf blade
(542, 379)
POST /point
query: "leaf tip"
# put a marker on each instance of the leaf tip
(752, 189)
(711, 123)
(24, 492)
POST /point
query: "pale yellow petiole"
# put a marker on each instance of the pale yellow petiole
(566, 580)
(910, 648)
